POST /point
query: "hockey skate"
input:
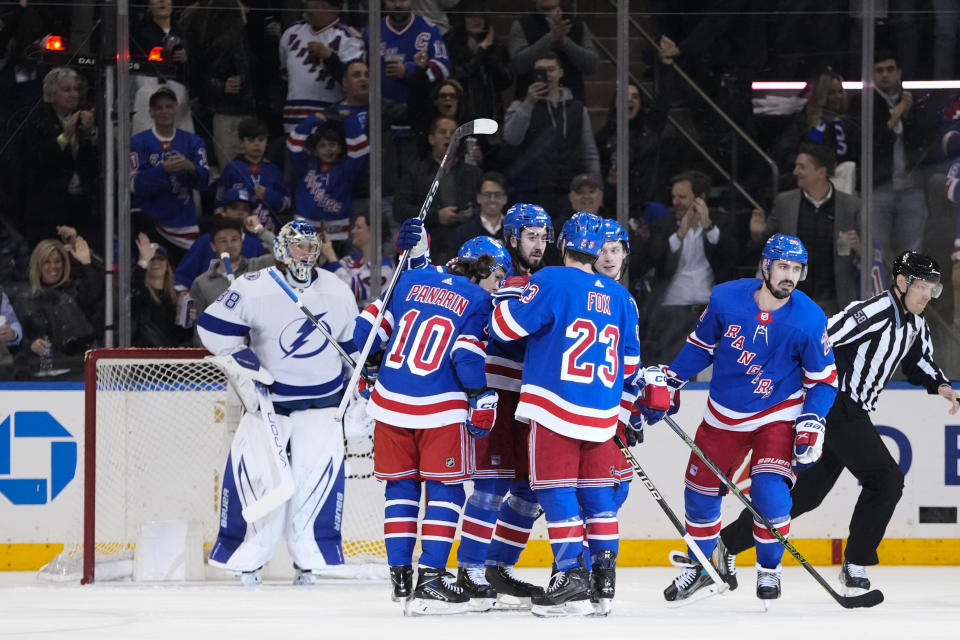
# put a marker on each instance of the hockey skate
(768, 583)
(304, 577)
(474, 583)
(693, 584)
(251, 578)
(437, 593)
(512, 592)
(726, 564)
(567, 595)
(853, 578)
(603, 581)
(401, 578)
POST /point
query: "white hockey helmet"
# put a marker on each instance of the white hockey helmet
(297, 246)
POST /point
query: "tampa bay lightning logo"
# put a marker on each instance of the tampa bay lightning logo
(301, 339)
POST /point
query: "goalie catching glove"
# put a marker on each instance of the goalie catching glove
(809, 431)
(243, 370)
(482, 413)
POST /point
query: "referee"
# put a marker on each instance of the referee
(870, 339)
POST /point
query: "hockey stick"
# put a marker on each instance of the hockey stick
(869, 599)
(691, 543)
(483, 126)
(287, 289)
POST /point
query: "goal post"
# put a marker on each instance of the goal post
(158, 424)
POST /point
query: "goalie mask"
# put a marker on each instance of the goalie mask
(297, 246)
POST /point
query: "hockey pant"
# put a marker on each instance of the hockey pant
(401, 509)
(310, 520)
(770, 494)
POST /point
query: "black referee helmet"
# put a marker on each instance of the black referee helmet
(917, 266)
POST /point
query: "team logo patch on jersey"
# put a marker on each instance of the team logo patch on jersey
(252, 276)
(300, 339)
(450, 462)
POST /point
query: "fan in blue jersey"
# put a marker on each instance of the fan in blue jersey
(527, 229)
(166, 165)
(582, 346)
(259, 335)
(773, 383)
(327, 156)
(430, 392)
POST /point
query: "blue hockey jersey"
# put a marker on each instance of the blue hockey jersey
(240, 174)
(582, 346)
(324, 192)
(433, 326)
(168, 197)
(419, 34)
(768, 366)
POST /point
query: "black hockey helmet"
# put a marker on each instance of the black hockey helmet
(917, 266)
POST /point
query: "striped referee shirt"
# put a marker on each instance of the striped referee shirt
(871, 338)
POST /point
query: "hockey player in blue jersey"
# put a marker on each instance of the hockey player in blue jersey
(327, 156)
(582, 346)
(258, 335)
(430, 393)
(527, 230)
(166, 165)
(773, 383)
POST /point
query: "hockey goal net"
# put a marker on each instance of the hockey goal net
(158, 427)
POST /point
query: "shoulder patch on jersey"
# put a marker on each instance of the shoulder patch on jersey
(252, 275)
(860, 316)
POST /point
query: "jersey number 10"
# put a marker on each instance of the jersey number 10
(426, 350)
(584, 332)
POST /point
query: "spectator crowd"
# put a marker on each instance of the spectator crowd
(248, 114)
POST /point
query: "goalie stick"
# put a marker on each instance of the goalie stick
(275, 483)
(691, 543)
(482, 126)
(869, 599)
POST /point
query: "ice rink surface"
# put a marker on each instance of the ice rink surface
(921, 602)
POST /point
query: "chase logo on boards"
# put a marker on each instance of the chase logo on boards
(21, 425)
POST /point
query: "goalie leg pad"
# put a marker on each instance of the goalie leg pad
(770, 493)
(402, 506)
(316, 509)
(444, 503)
(514, 522)
(599, 506)
(702, 519)
(479, 520)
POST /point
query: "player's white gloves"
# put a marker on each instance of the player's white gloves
(809, 430)
(243, 369)
(482, 413)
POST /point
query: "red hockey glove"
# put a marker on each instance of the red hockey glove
(482, 413)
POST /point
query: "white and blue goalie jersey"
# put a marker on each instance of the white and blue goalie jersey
(288, 345)
(582, 344)
(434, 326)
(768, 366)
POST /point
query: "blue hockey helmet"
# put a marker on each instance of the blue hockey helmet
(302, 234)
(523, 215)
(583, 232)
(613, 232)
(476, 247)
(783, 247)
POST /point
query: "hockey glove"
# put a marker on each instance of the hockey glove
(654, 400)
(482, 413)
(410, 233)
(809, 430)
(356, 423)
(243, 369)
(634, 430)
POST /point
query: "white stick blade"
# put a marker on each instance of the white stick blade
(485, 126)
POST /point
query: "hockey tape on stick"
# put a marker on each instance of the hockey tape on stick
(287, 289)
(481, 126)
(869, 599)
(278, 483)
(691, 543)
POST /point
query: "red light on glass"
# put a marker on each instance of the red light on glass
(53, 43)
(156, 54)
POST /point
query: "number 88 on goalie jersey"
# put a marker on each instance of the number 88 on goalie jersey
(433, 326)
(582, 344)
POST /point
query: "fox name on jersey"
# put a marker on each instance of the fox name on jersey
(433, 326)
(582, 345)
(289, 346)
(755, 355)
